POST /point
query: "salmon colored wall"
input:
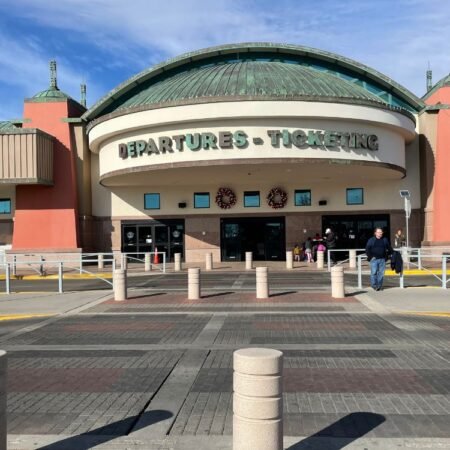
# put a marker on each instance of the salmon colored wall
(441, 232)
(46, 216)
(441, 216)
(442, 95)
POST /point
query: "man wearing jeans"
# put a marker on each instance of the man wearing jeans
(377, 250)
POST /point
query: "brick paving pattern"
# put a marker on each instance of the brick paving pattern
(54, 393)
(347, 371)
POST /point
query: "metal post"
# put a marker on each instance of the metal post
(164, 262)
(3, 396)
(402, 281)
(81, 263)
(14, 271)
(360, 272)
(41, 266)
(444, 272)
(419, 258)
(328, 260)
(257, 399)
(7, 278)
(60, 277)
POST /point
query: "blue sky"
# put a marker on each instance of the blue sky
(104, 42)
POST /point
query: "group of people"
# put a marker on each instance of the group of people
(308, 251)
(378, 250)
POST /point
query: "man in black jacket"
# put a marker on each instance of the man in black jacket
(377, 250)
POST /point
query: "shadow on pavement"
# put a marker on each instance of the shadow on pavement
(279, 294)
(341, 433)
(109, 432)
(219, 294)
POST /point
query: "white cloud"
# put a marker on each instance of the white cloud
(397, 38)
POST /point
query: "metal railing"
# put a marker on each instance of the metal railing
(336, 250)
(60, 266)
(41, 265)
(160, 266)
(444, 264)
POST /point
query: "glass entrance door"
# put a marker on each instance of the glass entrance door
(263, 236)
(167, 236)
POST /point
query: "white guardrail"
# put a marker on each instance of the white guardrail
(11, 263)
(417, 257)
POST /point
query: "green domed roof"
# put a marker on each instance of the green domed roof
(255, 79)
(255, 71)
(49, 95)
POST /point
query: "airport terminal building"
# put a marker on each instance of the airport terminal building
(245, 147)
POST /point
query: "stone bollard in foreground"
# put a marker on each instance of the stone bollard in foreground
(248, 260)
(101, 265)
(147, 262)
(177, 262)
(208, 261)
(352, 259)
(320, 259)
(194, 284)
(3, 363)
(262, 282)
(257, 399)
(337, 282)
(120, 285)
(289, 260)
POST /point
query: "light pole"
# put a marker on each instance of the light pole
(407, 197)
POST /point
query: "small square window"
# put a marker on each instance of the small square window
(5, 206)
(251, 199)
(355, 196)
(151, 201)
(201, 200)
(302, 197)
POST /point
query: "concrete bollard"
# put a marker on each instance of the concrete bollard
(257, 399)
(248, 260)
(123, 261)
(120, 285)
(262, 282)
(289, 260)
(209, 261)
(352, 259)
(177, 265)
(337, 282)
(3, 364)
(320, 259)
(101, 265)
(194, 287)
(147, 263)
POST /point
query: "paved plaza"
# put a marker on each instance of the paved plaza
(155, 372)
